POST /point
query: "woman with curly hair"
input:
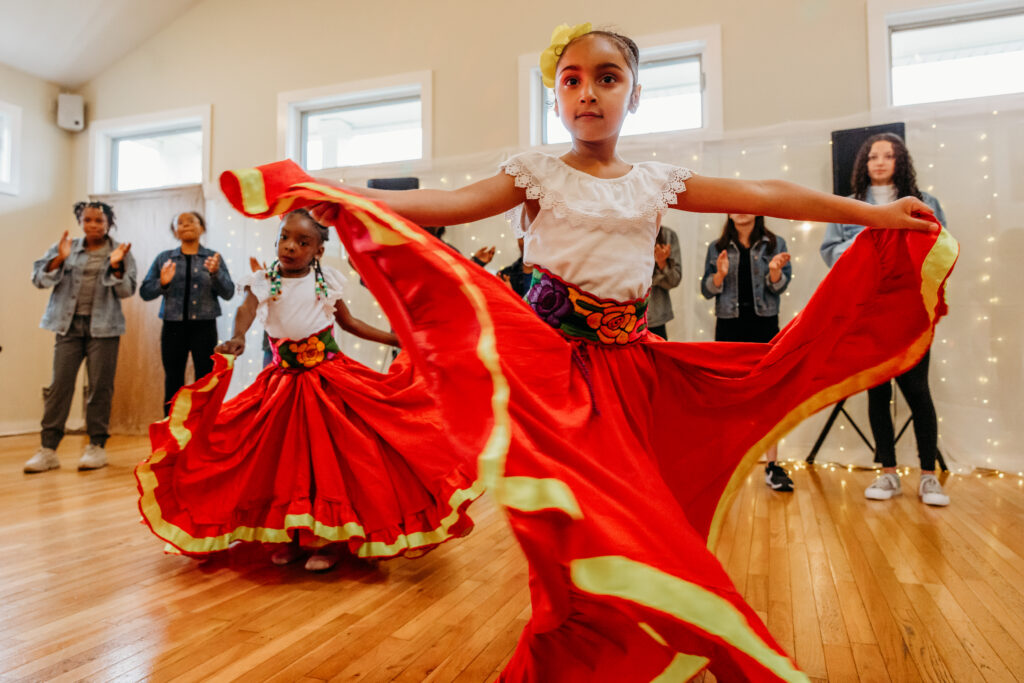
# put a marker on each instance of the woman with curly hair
(883, 173)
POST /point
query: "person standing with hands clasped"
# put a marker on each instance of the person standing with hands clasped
(191, 279)
(89, 276)
(746, 271)
(883, 172)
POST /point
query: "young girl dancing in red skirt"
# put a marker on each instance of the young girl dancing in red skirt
(320, 452)
(612, 451)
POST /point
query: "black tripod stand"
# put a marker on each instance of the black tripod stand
(839, 408)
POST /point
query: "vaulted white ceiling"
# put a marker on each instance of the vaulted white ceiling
(70, 42)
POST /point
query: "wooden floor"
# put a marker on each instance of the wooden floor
(854, 589)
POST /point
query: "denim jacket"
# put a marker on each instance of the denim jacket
(838, 238)
(106, 320)
(205, 287)
(766, 292)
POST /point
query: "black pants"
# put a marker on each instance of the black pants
(659, 330)
(748, 327)
(179, 338)
(913, 385)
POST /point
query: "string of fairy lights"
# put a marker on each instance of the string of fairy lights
(978, 354)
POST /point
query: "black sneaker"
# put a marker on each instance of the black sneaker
(776, 478)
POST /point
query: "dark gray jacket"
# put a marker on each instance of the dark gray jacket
(659, 311)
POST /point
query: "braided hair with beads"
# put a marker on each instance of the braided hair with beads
(274, 272)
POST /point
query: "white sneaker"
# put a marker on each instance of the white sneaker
(93, 458)
(930, 491)
(323, 559)
(885, 487)
(44, 459)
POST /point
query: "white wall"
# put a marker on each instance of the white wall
(782, 61)
(29, 223)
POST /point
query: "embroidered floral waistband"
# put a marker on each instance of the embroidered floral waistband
(580, 315)
(303, 354)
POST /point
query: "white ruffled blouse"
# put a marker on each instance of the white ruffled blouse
(596, 233)
(296, 313)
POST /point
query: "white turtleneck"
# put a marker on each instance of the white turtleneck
(883, 194)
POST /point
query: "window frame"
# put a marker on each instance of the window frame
(703, 42)
(885, 16)
(12, 112)
(294, 104)
(103, 134)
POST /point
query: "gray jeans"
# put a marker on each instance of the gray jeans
(100, 354)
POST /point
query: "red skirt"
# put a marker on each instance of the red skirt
(616, 461)
(336, 453)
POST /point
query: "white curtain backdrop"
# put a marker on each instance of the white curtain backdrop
(144, 219)
(968, 161)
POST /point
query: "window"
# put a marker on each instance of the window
(163, 149)
(681, 78)
(921, 52)
(957, 58)
(357, 124)
(10, 147)
(372, 133)
(156, 160)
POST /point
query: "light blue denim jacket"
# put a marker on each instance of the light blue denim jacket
(107, 320)
(838, 238)
(205, 288)
(766, 292)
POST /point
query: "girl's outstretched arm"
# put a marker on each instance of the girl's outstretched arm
(482, 199)
(355, 326)
(243, 320)
(782, 199)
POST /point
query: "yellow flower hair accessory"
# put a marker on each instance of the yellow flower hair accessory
(560, 37)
